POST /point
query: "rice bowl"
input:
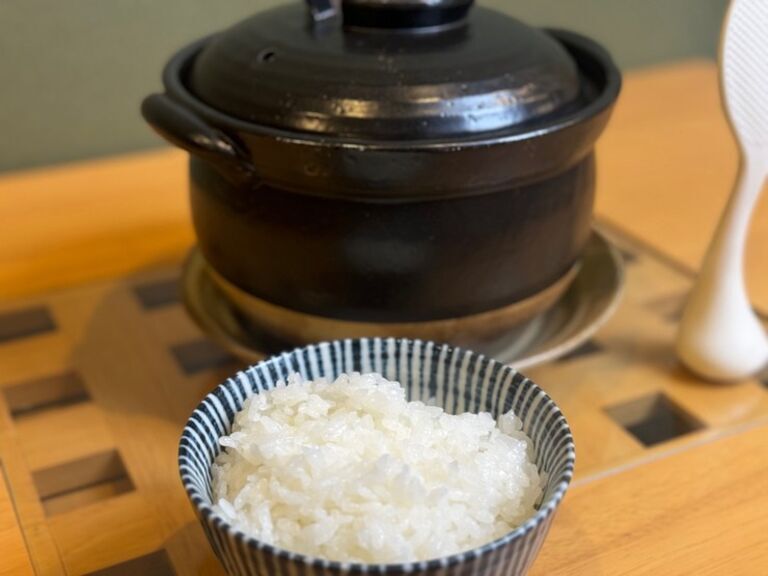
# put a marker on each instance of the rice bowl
(458, 380)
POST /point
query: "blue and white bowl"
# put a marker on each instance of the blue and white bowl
(459, 380)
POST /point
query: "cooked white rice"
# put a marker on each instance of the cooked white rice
(351, 471)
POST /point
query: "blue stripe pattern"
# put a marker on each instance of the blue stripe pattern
(459, 380)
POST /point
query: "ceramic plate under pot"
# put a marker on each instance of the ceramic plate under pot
(584, 307)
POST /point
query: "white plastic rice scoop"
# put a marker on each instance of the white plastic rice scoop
(720, 336)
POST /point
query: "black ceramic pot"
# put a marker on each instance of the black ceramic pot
(397, 162)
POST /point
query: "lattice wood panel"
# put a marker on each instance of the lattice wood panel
(95, 383)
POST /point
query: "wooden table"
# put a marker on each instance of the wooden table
(100, 365)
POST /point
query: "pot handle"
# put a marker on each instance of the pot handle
(184, 129)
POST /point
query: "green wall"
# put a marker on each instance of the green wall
(72, 72)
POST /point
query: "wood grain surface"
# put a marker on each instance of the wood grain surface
(15, 557)
(701, 511)
(671, 473)
(65, 225)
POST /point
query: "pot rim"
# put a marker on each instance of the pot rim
(583, 47)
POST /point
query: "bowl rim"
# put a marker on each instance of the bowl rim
(206, 513)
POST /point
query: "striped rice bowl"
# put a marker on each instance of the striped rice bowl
(456, 380)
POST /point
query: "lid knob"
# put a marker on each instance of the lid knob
(322, 9)
(405, 15)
